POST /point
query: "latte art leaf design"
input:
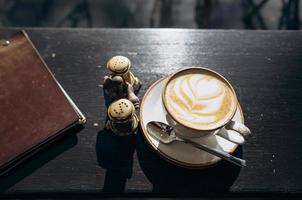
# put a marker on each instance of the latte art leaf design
(198, 98)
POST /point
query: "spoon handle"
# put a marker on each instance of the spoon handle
(219, 153)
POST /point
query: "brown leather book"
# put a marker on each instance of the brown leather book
(34, 108)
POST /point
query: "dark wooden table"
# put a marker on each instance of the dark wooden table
(265, 68)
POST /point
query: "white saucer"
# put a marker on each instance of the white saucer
(180, 153)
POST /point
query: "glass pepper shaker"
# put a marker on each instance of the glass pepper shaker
(120, 65)
(122, 118)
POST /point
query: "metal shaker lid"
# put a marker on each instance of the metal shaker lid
(118, 64)
(121, 110)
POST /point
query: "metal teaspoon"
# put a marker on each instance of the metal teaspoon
(165, 134)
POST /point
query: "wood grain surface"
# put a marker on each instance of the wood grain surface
(265, 68)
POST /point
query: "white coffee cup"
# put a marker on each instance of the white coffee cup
(200, 102)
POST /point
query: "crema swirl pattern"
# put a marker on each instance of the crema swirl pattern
(199, 100)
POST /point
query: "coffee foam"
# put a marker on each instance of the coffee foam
(200, 101)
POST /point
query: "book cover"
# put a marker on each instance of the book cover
(34, 107)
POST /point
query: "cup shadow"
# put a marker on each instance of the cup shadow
(31, 164)
(174, 180)
(115, 154)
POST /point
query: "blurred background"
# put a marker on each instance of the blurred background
(207, 14)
